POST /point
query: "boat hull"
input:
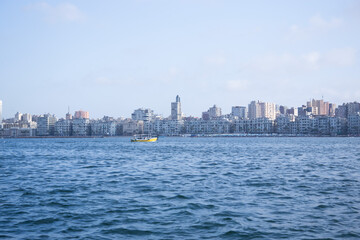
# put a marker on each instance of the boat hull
(145, 140)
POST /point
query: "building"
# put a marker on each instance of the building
(268, 110)
(292, 111)
(176, 113)
(81, 114)
(239, 111)
(80, 127)
(131, 127)
(26, 117)
(214, 112)
(142, 114)
(103, 128)
(254, 110)
(322, 108)
(354, 124)
(63, 127)
(17, 117)
(46, 125)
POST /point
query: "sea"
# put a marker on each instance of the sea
(180, 188)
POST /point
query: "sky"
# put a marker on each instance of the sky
(112, 57)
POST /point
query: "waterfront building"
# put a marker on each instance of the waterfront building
(303, 124)
(239, 111)
(80, 127)
(81, 114)
(131, 127)
(201, 126)
(338, 126)
(353, 108)
(103, 128)
(254, 126)
(45, 125)
(143, 114)
(354, 124)
(26, 117)
(176, 113)
(282, 124)
(63, 127)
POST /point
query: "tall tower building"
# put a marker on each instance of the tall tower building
(176, 109)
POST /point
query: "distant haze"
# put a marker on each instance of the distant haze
(111, 57)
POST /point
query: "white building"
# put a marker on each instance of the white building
(80, 127)
(45, 125)
(103, 128)
(239, 111)
(254, 110)
(142, 114)
(63, 127)
(214, 112)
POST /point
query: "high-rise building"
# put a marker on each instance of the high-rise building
(259, 109)
(254, 110)
(268, 110)
(81, 114)
(46, 125)
(142, 114)
(214, 112)
(239, 112)
(26, 117)
(176, 109)
(322, 108)
(0, 111)
(18, 116)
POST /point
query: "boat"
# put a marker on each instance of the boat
(142, 138)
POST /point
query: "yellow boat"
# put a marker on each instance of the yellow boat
(144, 139)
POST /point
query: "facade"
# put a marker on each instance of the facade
(254, 110)
(142, 114)
(81, 114)
(63, 127)
(214, 112)
(80, 127)
(46, 125)
(131, 127)
(268, 110)
(200, 126)
(254, 126)
(103, 128)
(176, 113)
(239, 111)
(354, 124)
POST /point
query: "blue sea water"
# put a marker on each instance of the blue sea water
(180, 188)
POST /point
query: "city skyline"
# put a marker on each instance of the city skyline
(254, 109)
(112, 58)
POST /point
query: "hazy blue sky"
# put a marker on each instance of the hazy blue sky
(111, 57)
